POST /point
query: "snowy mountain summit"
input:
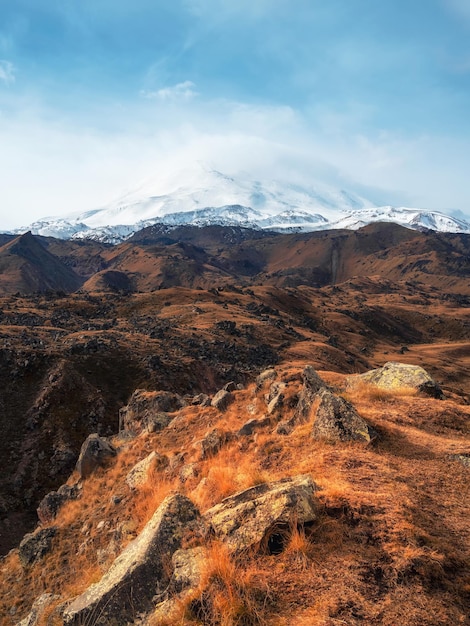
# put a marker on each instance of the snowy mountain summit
(201, 196)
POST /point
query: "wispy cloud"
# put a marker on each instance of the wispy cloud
(7, 72)
(181, 91)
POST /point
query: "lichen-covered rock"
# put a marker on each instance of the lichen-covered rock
(144, 405)
(36, 545)
(188, 567)
(222, 400)
(53, 501)
(95, 452)
(247, 519)
(37, 610)
(142, 471)
(188, 472)
(140, 572)
(398, 375)
(338, 420)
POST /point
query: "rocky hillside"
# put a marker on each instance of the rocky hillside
(213, 431)
(302, 497)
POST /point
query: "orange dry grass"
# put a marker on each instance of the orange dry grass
(299, 547)
(366, 392)
(226, 473)
(229, 594)
(149, 498)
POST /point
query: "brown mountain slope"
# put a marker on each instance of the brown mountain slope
(316, 259)
(26, 266)
(219, 256)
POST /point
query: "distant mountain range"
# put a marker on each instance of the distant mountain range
(207, 257)
(202, 196)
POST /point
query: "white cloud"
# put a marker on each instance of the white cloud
(181, 91)
(7, 72)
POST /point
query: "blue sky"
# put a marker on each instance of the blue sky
(97, 94)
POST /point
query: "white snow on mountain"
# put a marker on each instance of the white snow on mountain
(202, 195)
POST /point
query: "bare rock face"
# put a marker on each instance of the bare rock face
(338, 420)
(140, 572)
(95, 452)
(222, 400)
(395, 375)
(145, 406)
(36, 545)
(248, 519)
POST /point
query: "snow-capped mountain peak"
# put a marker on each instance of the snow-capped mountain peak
(202, 195)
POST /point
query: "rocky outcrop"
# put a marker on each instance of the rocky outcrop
(140, 572)
(312, 385)
(338, 420)
(36, 545)
(248, 519)
(201, 399)
(394, 376)
(53, 501)
(222, 400)
(149, 410)
(95, 452)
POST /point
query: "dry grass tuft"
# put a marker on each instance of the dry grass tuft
(229, 595)
(225, 474)
(299, 547)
